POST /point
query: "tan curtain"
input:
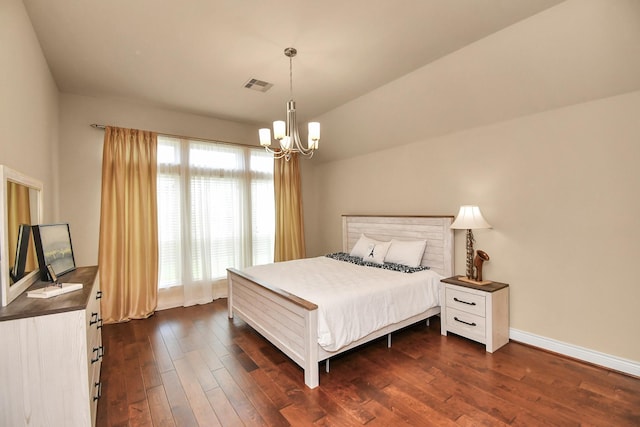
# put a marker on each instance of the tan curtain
(289, 239)
(128, 253)
(19, 212)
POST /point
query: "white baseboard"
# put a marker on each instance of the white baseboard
(602, 359)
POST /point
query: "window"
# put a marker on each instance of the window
(215, 209)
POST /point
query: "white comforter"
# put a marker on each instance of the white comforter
(352, 300)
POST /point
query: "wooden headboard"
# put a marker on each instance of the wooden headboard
(434, 229)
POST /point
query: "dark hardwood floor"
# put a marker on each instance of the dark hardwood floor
(194, 367)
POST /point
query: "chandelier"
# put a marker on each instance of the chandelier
(287, 132)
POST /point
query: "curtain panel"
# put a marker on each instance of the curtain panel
(214, 213)
(128, 248)
(289, 243)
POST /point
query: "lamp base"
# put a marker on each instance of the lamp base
(475, 282)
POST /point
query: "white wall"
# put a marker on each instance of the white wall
(28, 104)
(560, 186)
(81, 155)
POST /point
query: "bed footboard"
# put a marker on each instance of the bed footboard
(287, 321)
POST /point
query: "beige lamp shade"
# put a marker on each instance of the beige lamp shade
(469, 217)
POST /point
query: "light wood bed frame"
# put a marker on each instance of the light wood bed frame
(291, 323)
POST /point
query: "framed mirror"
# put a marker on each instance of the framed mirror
(21, 198)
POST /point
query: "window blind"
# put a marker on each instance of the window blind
(215, 210)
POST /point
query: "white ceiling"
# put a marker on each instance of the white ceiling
(195, 55)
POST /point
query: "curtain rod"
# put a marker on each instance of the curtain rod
(102, 127)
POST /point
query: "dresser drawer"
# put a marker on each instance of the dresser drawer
(93, 308)
(466, 324)
(94, 325)
(95, 391)
(465, 301)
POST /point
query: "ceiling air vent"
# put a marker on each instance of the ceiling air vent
(258, 85)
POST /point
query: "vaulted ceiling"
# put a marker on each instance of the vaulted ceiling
(196, 55)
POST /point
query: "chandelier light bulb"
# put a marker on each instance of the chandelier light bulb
(265, 137)
(279, 129)
(314, 131)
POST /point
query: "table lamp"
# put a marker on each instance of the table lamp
(469, 217)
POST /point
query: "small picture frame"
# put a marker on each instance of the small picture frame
(54, 249)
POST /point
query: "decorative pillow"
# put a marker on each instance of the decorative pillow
(406, 252)
(345, 257)
(376, 252)
(360, 249)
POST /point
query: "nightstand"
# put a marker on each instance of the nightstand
(477, 312)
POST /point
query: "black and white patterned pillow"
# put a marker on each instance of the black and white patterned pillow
(342, 256)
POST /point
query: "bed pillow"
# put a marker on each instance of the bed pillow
(361, 248)
(376, 252)
(406, 252)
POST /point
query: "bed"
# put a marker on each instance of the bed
(291, 322)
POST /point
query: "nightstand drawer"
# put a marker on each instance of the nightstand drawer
(465, 301)
(466, 324)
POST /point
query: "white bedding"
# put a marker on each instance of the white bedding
(352, 300)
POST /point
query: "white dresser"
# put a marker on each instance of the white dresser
(50, 356)
(477, 312)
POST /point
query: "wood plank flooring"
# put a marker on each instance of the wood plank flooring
(195, 367)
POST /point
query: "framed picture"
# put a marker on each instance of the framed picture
(53, 247)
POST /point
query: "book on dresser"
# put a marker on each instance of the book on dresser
(54, 290)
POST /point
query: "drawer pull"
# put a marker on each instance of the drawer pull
(98, 294)
(98, 385)
(94, 318)
(99, 323)
(466, 323)
(99, 351)
(464, 302)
